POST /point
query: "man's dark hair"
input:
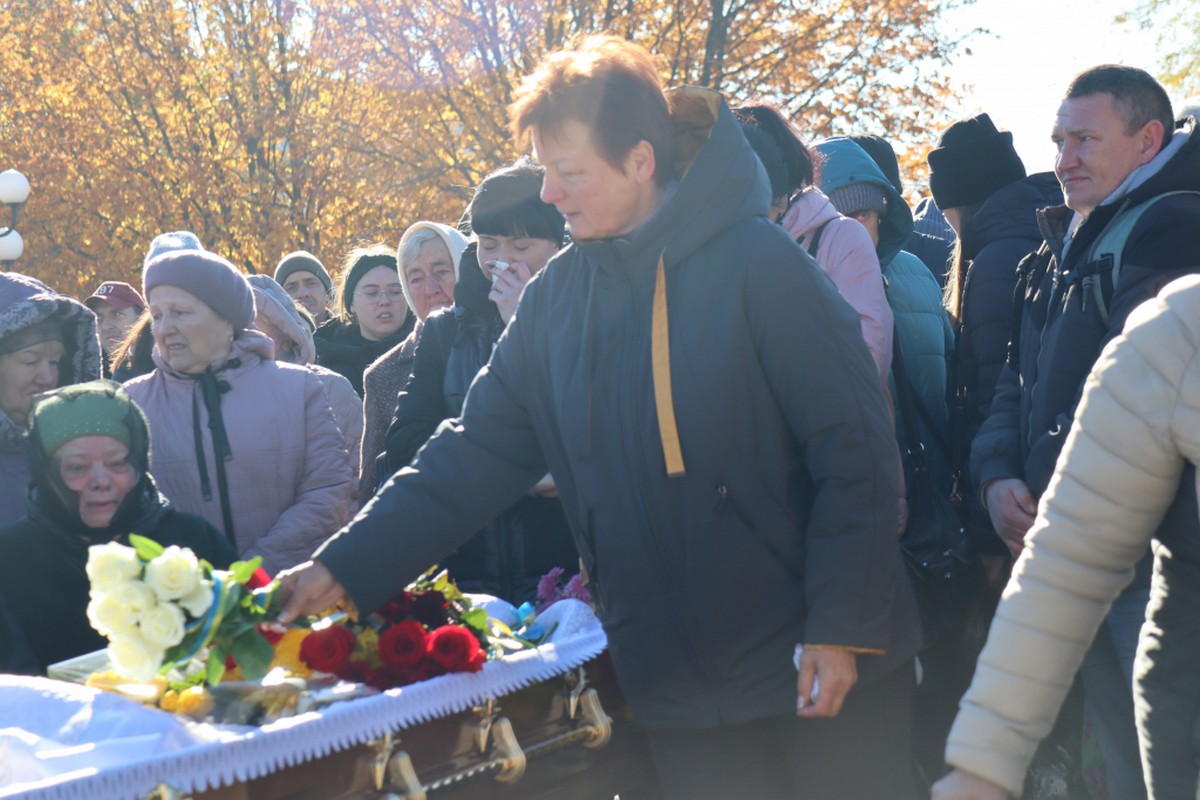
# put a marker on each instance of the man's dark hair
(1137, 96)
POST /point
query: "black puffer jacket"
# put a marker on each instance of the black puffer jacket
(782, 528)
(342, 348)
(1062, 332)
(1000, 234)
(508, 556)
(43, 557)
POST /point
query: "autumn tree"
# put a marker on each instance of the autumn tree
(835, 66)
(1177, 23)
(267, 126)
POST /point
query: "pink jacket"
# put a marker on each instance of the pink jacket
(847, 255)
(290, 481)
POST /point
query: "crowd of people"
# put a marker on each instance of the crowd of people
(716, 369)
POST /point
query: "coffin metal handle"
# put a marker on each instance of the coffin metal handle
(401, 777)
(165, 791)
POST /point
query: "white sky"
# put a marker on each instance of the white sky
(1018, 74)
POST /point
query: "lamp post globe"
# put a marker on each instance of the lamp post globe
(11, 247)
(14, 188)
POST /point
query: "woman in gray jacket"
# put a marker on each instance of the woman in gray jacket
(240, 439)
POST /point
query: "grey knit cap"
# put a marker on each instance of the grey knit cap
(166, 242)
(213, 280)
(304, 261)
(857, 197)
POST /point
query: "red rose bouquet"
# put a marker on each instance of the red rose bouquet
(429, 629)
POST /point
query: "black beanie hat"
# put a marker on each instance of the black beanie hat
(972, 160)
(365, 262)
(881, 152)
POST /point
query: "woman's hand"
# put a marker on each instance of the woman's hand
(308, 588)
(507, 287)
(837, 671)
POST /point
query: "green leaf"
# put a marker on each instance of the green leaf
(197, 678)
(253, 654)
(271, 606)
(146, 549)
(242, 571)
(475, 618)
(216, 665)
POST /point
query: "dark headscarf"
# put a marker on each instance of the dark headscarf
(96, 408)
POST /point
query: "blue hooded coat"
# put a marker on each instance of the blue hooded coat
(915, 297)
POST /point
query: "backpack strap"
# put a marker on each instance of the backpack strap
(815, 241)
(1107, 251)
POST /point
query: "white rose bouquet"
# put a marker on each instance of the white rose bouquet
(163, 608)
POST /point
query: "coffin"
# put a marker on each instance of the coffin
(541, 723)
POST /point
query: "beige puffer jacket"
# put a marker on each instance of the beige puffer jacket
(1136, 428)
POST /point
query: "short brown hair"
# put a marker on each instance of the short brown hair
(1137, 97)
(608, 84)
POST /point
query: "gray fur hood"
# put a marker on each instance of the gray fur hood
(25, 301)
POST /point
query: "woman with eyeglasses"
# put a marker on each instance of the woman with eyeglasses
(242, 439)
(373, 316)
(89, 454)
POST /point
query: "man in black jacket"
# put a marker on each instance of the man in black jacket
(1116, 150)
(724, 454)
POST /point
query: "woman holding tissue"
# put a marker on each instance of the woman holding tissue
(513, 235)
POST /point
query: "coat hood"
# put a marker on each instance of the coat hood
(808, 211)
(274, 303)
(720, 182)
(1011, 212)
(25, 301)
(846, 163)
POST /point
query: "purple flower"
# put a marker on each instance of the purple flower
(547, 588)
(576, 590)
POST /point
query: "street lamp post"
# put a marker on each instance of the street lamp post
(14, 191)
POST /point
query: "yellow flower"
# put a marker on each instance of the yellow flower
(194, 702)
(366, 648)
(169, 701)
(149, 692)
(287, 653)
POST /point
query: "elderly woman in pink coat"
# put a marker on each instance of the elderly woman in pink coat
(244, 441)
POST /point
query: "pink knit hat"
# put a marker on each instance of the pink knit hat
(212, 279)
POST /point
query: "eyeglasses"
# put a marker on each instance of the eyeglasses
(373, 294)
(76, 474)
